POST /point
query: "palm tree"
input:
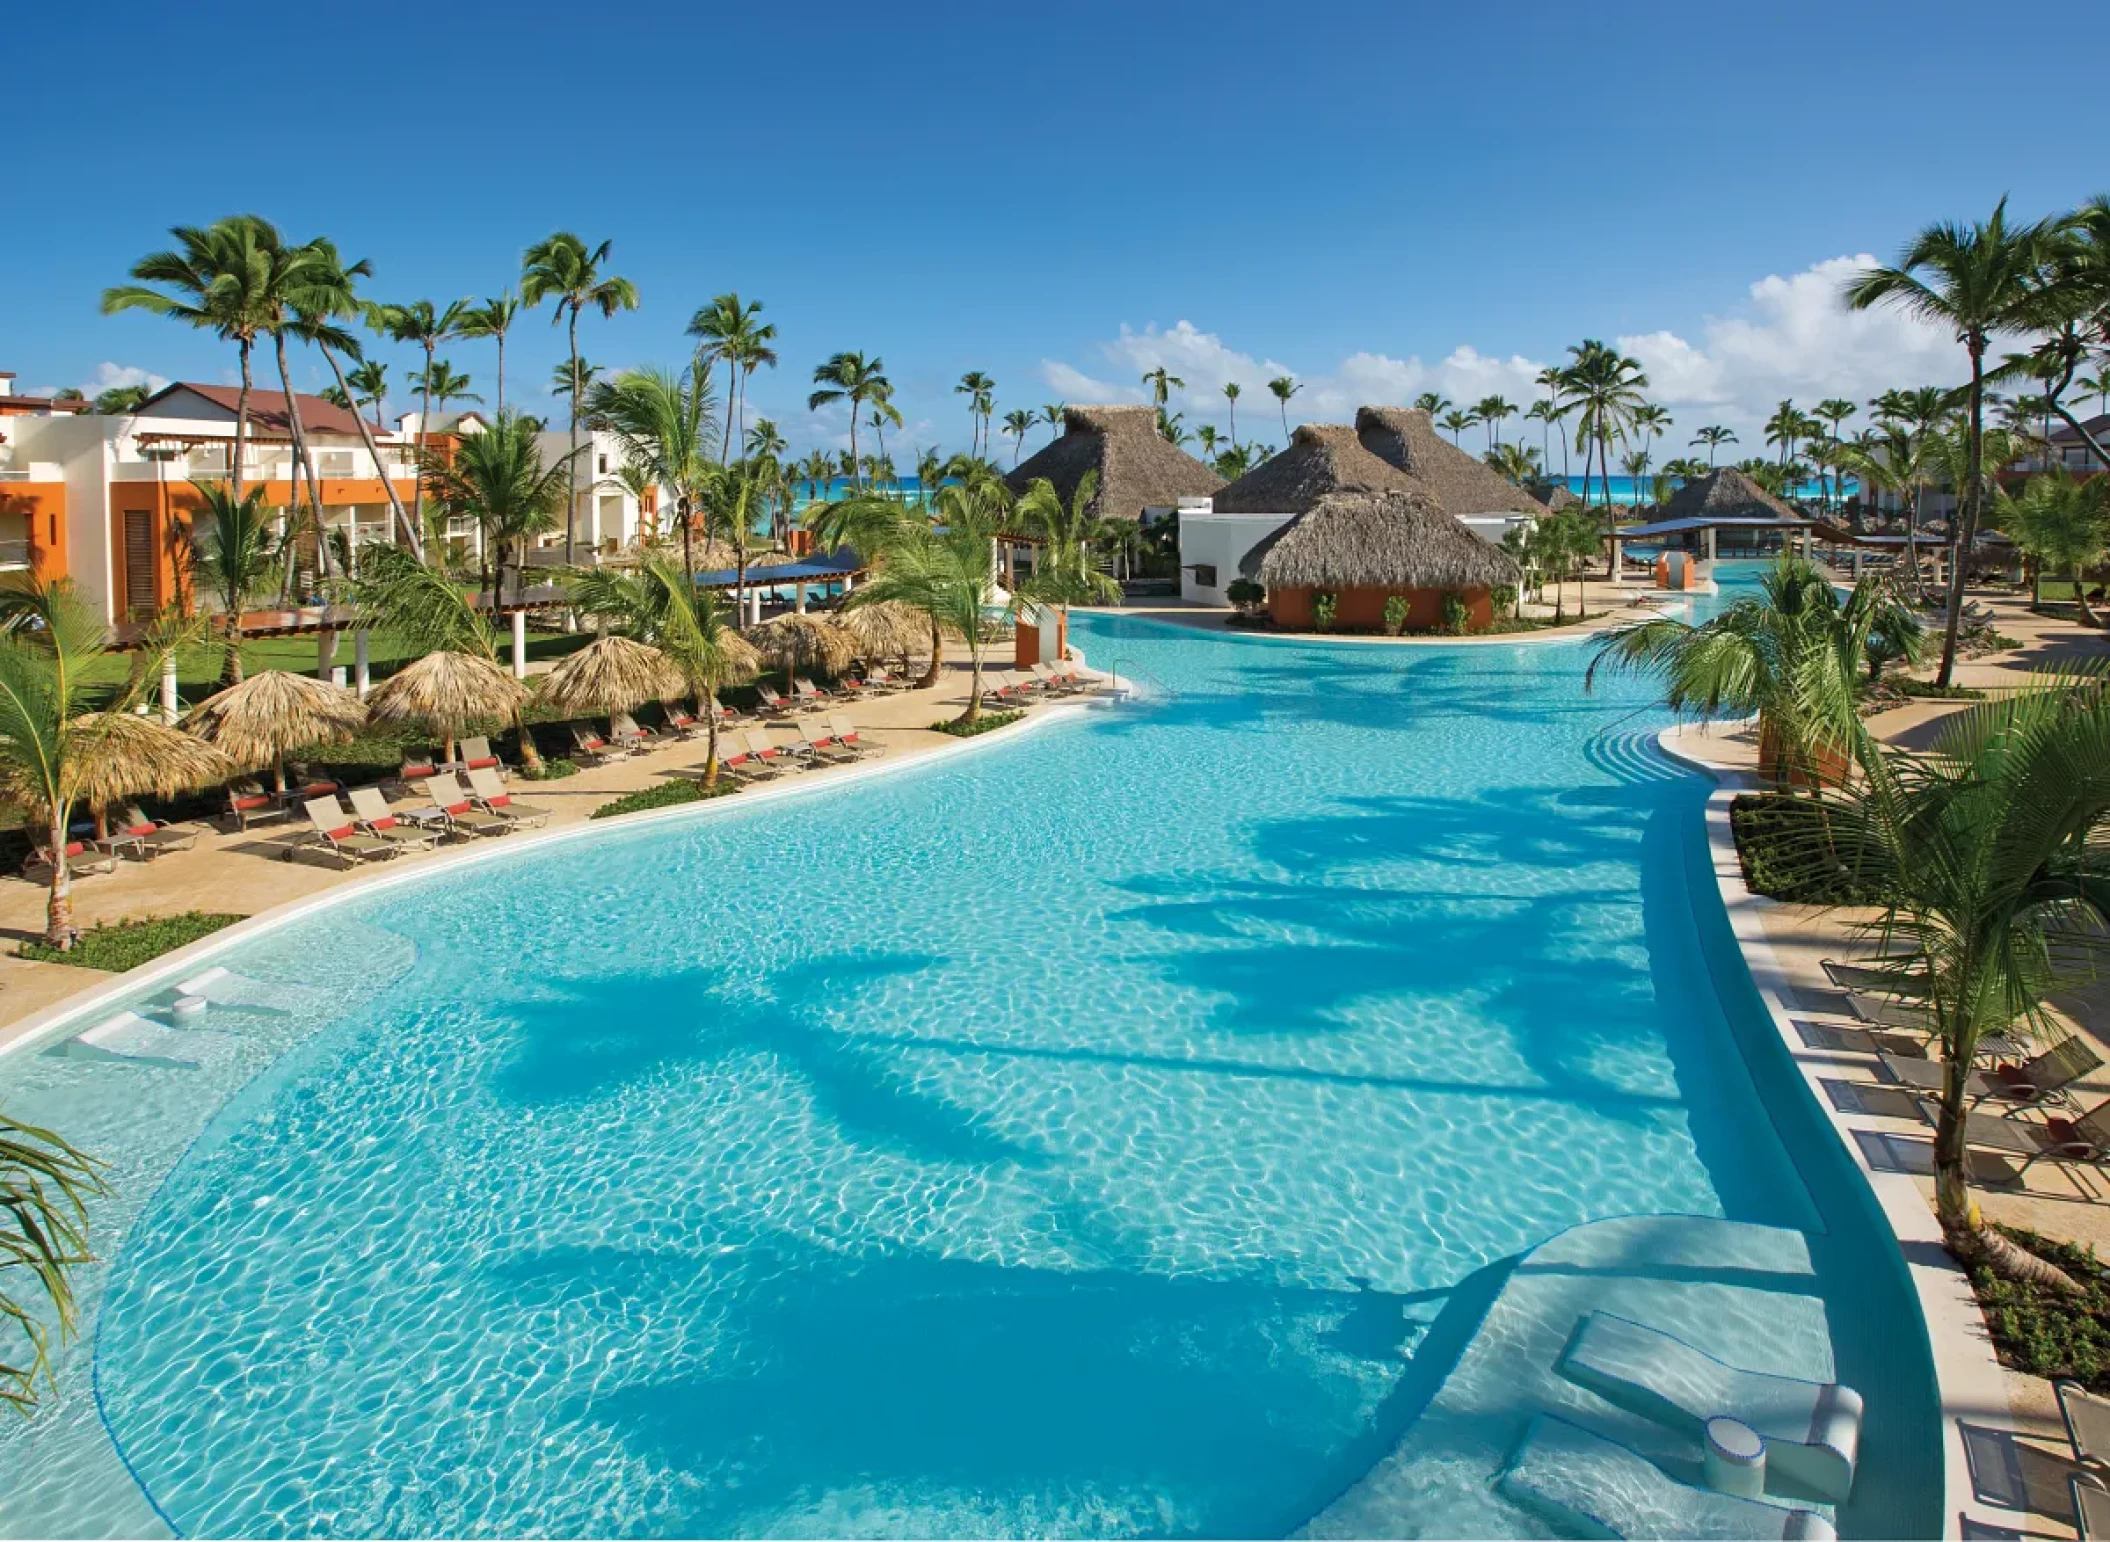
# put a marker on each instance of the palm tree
(1231, 390)
(1284, 387)
(45, 1186)
(2063, 523)
(852, 378)
(1783, 428)
(1647, 421)
(1714, 436)
(1518, 462)
(366, 385)
(1896, 460)
(564, 269)
(1793, 657)
(1172, 428)
(980, 392)
(730, 332)
(1051, 414)
(234, 554)
(1604, 389)
(1063, 571)
(1018, 422)
(1977, 280)
(1457, 421)
(217, 280)
(493, 319)
(1492, 410)
(944, 571)
(1992, 891)
(1833, 412)
(1161, 382)
(662, 422)
(1544, 413)
(497, 479)
(884, 413)
(440, 385)
(422, 324)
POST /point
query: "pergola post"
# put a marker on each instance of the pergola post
(325, 652)
(362, 663)
(847, 584)
(1707, 536)
(168, 688)
(519, 645)
(1618, 559)
(798, 602)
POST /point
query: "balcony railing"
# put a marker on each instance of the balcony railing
(15, 555)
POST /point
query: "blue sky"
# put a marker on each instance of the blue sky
(1377, 198)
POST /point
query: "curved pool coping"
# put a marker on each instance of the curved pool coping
(1573, 631)
(1969, 1378)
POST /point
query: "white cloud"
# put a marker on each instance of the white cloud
(109, 376)
(1789, 337)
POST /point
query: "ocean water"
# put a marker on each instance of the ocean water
(1072, 1139)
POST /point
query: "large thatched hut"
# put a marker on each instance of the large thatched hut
(1364, 547)
(1321, 458)
(1389, 449)
(1726, 493)
(1463, 485)
(1138, 470)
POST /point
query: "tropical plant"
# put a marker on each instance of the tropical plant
(852, 378)
(1714, 436)
(1396, 609)
(1063, 570)
(943, 571)
(731, 332)
(497, 479)
(2063, 523)
(424, 325)
(1492, 410)
(1172, 428)
(119, 400)
(1284, 387)
(1434, 403)
(441, 385)
(1246, 596)
(1232, 390)
(1161, 382)
(662, 423)
(1052, 415)
(1518, 462)
(980, 392)
(1018, 422)
(45, 1186)
(1324, 607)
(563, 269)
(493, 319)
(1602, 387)
(233, 555)
(1456, 421)
(1976, 280)
(1457, 615)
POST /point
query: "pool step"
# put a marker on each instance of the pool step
(131, 1039)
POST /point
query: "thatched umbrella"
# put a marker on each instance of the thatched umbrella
(611, 674)
(796, 643)
(272, 713)
(447, 692)
(888, 630)
(122, 755)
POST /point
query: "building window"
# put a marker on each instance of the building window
(1205, 575)
(604, 465)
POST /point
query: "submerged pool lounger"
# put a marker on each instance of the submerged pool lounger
(1812, 1429)
(1596, 1487)
(128, 1036)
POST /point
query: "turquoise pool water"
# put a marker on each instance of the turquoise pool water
(1087, 1136)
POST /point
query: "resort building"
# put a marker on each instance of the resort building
(610, 514)
(1142, 477)
(1365, 548)
(1724, 513)
(1389, 449)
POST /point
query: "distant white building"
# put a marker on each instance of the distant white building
(608, 516)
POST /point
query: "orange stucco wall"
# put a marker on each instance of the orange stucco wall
(44, 506)
(1364, 609)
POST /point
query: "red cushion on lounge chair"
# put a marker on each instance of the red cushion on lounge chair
(338, 835)
(75, 848)
(145, 829)
(500, 801)
(2062, 1131)
(456, 808)
(423, 768)
(478, 765)
(387, 822)
(259, 800)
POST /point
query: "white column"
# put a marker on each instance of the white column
(325, 652)
(847, 583)
(168, 688)
(1618, 560)
(519, 645)
(1710, 543)
(1857, 564)
(799, 597)
(362, 663)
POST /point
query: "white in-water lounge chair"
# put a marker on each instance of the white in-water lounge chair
(1594, 1487)
(1811, 1429)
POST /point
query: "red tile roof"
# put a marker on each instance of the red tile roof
(267, 409)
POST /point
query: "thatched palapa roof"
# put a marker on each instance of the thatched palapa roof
(273, 713)
(1322, 458)
(1378, 540)
(1137, 468)
(1724, 494)
(612, 674)
(121, 755)
(1390, 449)
(447, 692)
(1461, 482)
(798, 643)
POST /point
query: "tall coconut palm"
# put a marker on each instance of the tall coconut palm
(1018, 423)
(441, 385)
(1052, 415)
(980, 392)
(1714, 436)
(424, 326)
(1161, 382)
(729, 331)
(2063, 523)
(1456, 421)
(944, 571)
(493, 319)
(1895, 459)
(45, 1186)
(1603, 388)
(1231, 394)
(234, 553)
(497, 478)
(1434, 403)
(216, 279)
(563, 269)
(849, 377)
(1976, 280)
(1492, 410)
(884, 414)
(1284, 387)
(292, 271)
(1646, 422)
(1833, 412)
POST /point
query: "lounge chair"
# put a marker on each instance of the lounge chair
(1870, 978)
(847, 738)
(2091, 1505)
(2084, 1142)
(2087, 1424)
(1594, 1487)
(80, 861)
(769, 704)
(488, 790)
(593, 749)
(681, 722)
(624, 729)
(1879, 1013)
(451, 799)
(339, 832)
(1052, 683)
(151, 837)
(739, 762)
(384, 824)
(477, 754)
(809, 693)
(725, 714)
(2043, 1078)
(1975, 611)
(1811, 1429)
(414, 772)
(248, 804)
(767, 750)
(885, 680)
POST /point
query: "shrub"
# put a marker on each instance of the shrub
(1396, 614)
(1787, 853)
(1245, 595)
(2043, 1331)
(129, 944)
(981, 725)
(1504, 597)
(551, 770)
(1455, 613)
(1323, 608)
(665, 794)
(1908, 686)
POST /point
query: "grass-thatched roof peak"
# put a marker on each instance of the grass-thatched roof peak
(1138, 469)
(1406, 438)
(1726, 493)
(1321, 458)
(1378, 540)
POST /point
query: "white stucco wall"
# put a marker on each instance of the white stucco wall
(1219, 541)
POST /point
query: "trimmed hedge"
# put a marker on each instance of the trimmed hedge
(1781, 841)
(2046, 1332)
(980, 725)
(129, 944)
(665, 794)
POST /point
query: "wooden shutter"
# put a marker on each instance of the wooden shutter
(139, 563)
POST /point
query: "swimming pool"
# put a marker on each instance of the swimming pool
(1078, 1137)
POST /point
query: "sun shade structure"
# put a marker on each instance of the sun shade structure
(1461, 483)
(1138, 469)
(801, 643)
(1365, 548)
(124, 756)
(1726, 494)
(612, 674)
(1388, 449)
(888, 630)
(447, 692)
(273, 713)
